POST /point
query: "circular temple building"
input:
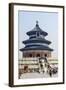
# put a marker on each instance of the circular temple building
(36, 46)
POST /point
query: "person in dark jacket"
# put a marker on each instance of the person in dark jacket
(45, 58)
(50, 73)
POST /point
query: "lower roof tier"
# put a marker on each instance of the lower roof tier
(36, 40)
(36, 47)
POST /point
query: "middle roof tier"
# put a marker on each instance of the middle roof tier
(36, 40)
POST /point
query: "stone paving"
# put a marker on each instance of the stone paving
(37, 75)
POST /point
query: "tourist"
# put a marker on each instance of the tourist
(45, 58)
(50, 72)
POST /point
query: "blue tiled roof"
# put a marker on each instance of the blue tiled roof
(37, 29)
(36, 47)
(36, 40)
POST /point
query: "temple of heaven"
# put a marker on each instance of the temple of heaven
(36, 45)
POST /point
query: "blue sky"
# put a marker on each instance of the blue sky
(48, 21)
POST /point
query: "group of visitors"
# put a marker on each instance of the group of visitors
(45, 66)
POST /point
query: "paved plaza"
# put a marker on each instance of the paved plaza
(37, 75)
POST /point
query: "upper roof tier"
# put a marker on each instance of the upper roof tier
(37, 29)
